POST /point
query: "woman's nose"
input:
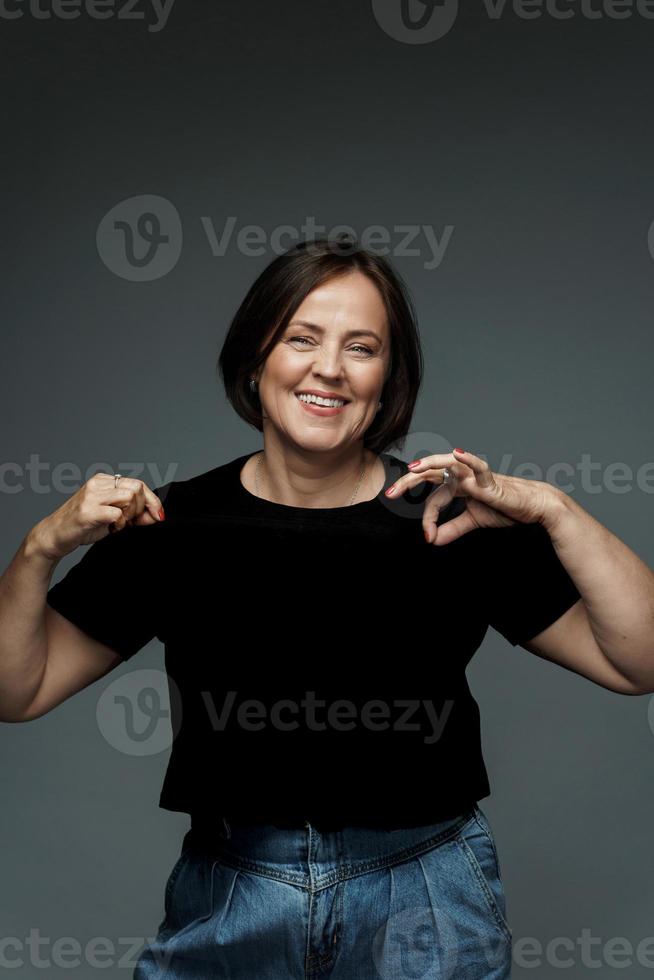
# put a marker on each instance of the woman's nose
(328, 364)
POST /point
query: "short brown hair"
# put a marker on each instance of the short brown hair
(273, 299)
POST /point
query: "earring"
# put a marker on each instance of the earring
(379, 405)
(253, 384)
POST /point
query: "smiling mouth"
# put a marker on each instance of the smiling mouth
(310, 400)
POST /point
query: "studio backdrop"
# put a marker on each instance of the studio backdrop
(157, 158)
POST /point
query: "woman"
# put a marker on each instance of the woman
(319, 601)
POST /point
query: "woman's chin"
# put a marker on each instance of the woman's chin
(311, 439)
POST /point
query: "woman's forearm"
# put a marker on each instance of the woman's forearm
(23, 637)
(616, 585)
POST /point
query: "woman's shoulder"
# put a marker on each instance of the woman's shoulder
(201, 489)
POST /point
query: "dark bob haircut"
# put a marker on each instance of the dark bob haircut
(272, 301)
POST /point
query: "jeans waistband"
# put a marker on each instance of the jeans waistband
(207, 826)
(307, 853)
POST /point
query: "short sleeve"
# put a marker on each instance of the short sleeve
(114, 592)
(529, 587)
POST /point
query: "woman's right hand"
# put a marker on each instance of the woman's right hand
(98, 508)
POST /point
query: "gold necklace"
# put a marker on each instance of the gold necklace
(256, 479)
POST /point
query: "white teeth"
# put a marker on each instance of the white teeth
(317, 400)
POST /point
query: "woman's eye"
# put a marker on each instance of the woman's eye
(366, 350)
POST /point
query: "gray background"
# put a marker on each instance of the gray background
(530, 137)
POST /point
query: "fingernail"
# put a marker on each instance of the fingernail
(416, 462)
(458, 450)
(427, 537)
(391, 490)
(162, 516)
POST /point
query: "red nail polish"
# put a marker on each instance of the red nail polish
(416, 462)
(162, 516)
(458, 450)
(390, 491)
(426, 537)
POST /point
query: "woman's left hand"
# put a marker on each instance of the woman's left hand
(492, 499)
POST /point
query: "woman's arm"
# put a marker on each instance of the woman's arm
(617, 589)
(44, 659)
(23, 634)
(607, 635)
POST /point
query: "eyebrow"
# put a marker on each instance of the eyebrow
(350, 333)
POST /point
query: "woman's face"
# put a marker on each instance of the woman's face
(337, 342)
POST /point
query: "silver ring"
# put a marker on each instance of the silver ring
(447, 476)
(117, 477)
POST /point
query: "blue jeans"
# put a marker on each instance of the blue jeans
(356, 903)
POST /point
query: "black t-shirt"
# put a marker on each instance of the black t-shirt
(318, 654)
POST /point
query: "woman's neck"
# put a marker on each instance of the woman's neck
(314, 480)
